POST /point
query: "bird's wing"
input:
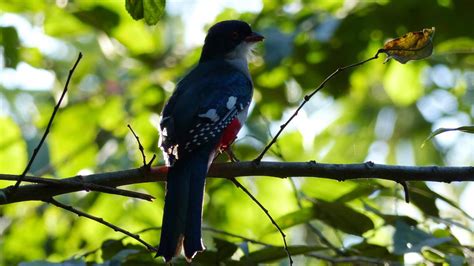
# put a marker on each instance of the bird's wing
(202, 106)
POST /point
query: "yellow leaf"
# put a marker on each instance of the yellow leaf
(411, 46)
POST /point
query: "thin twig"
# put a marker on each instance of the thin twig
(239, 185)
(146, 165)
(56, 108)
(405, 190)
(306, 99)
(140, 146)
(101, 221)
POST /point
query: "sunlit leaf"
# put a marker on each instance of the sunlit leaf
(411, 46)
(432, 254)
(411, 90)
(465, 129)
(150, 10)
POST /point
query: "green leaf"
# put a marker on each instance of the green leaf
(99, 17)
(274, 253)
(342, 217)
(134, 8)
(225, 249)
(334, 214)
(111, 247)
(210, 257)
(370, 250)
(154, 10)
(10, 42)
(206, 257)
(411, 239)
(151, 10)
(465, 129)
(293, 218)
(432, 254)
(424, 198)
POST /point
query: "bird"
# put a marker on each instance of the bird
(201, 118)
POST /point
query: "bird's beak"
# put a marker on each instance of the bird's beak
(254, 37)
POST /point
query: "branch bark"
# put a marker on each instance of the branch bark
(338, 172)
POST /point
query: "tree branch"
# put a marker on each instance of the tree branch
(338, 172)
(77, 182)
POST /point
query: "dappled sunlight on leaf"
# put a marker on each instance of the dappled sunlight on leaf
(403, 83)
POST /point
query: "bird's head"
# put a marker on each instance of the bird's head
(230, 39)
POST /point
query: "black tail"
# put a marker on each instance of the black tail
(183, 208)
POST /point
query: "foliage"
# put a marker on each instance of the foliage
(379, 112)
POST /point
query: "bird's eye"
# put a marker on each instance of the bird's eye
(235, 35)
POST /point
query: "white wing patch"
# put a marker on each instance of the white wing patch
(211, 114)
(231, 102)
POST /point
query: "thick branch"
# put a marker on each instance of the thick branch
(338, 172)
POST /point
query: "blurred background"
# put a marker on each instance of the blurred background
(378, 112)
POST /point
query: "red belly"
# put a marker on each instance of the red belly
(229, 134)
